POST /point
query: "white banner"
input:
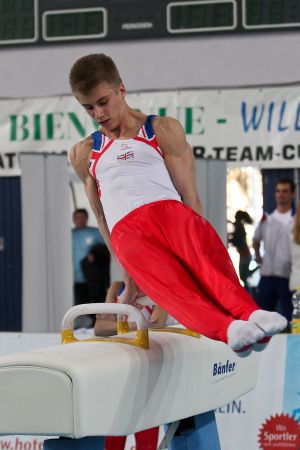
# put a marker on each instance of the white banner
(242, 126)
(269, 416)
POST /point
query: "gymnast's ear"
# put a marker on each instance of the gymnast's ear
(122, 90)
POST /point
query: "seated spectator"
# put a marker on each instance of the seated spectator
(106, 325)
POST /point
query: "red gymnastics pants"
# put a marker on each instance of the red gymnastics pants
(178, 260)
(145, 440)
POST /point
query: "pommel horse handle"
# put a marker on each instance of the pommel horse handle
(141, 338)
(146, 301)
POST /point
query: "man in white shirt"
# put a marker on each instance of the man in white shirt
(274, 230)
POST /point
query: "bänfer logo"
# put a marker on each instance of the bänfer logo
(223, 368)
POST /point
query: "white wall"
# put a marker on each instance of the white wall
(233, 60)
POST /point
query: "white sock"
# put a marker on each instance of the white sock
(269, 321)
(242, 333)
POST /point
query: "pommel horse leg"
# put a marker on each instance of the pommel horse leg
(195, 433)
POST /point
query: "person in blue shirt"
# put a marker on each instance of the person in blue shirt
(84, 239)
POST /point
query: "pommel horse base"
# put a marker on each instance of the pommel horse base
(117, 386)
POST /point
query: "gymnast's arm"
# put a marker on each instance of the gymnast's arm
(79, 157)
(179, 160)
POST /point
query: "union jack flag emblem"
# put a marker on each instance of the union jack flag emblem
(126, 155)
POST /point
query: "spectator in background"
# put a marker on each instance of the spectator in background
(275, 231)
(83, 240)
(96, 268)
(239, 239)
(295, 252)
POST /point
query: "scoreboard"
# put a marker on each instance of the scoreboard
(42, 22)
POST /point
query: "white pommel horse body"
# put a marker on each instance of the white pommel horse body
(118, 385)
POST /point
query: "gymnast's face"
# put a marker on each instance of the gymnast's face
(105, 104)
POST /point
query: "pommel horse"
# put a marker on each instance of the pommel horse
(87, 389)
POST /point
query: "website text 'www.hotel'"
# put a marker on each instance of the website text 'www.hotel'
(17, 443)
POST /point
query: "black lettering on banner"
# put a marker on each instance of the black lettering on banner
(234, 407)
(234, 153)
(246, 154)
(10, 157)
(288, 152)
(7, 160)
(261, 155)
(231, 153)
(218, 151)
(199, 152)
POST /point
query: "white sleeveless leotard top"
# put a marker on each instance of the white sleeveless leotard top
(129, 173)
